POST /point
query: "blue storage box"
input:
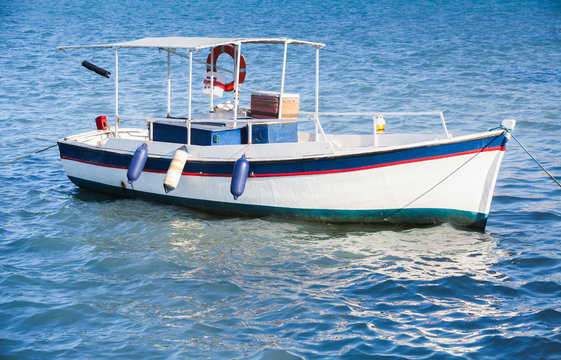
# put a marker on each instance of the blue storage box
(274, 133)
(206, 134)
(209, 134)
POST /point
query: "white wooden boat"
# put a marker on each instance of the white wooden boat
(377, 177)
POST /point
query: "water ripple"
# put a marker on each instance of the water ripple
(84, 275)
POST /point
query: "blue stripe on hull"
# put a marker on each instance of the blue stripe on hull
(404, 216)
(263, 168)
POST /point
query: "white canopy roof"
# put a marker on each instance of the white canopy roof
(194, 43)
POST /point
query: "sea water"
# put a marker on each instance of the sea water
(88, 276)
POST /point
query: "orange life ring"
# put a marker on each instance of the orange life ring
(230, 50)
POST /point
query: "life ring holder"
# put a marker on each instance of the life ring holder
(212, 58)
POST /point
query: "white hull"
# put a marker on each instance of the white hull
(420, 190)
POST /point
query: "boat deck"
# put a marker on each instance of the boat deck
(130, 138)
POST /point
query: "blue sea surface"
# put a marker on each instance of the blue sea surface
(88, 276)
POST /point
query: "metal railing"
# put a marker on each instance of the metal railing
(375, 115)
(249, 122)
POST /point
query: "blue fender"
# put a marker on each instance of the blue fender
(137, 163)
(239, 177)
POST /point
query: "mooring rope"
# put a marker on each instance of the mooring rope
(471, 158)
(531, 156)
(441, 181)
(28, 155)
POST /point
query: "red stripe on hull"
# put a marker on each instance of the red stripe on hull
(496, 148)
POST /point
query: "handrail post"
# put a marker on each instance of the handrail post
(375, 133)
(116, 91)
(188, 132)
(237, 82)
(249, 132)
(444, 126)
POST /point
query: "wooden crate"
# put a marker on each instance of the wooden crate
(265, 105)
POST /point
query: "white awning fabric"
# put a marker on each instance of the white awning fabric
(192, 43)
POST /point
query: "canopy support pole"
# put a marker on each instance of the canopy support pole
(169, 85)
(211, 79)
(190, 88)
(116, 91)
(316, 115)
(237, 82)
(282, 80)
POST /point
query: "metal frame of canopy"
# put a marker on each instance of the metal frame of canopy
(193, 44)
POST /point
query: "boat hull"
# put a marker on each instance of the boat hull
(448, 181)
